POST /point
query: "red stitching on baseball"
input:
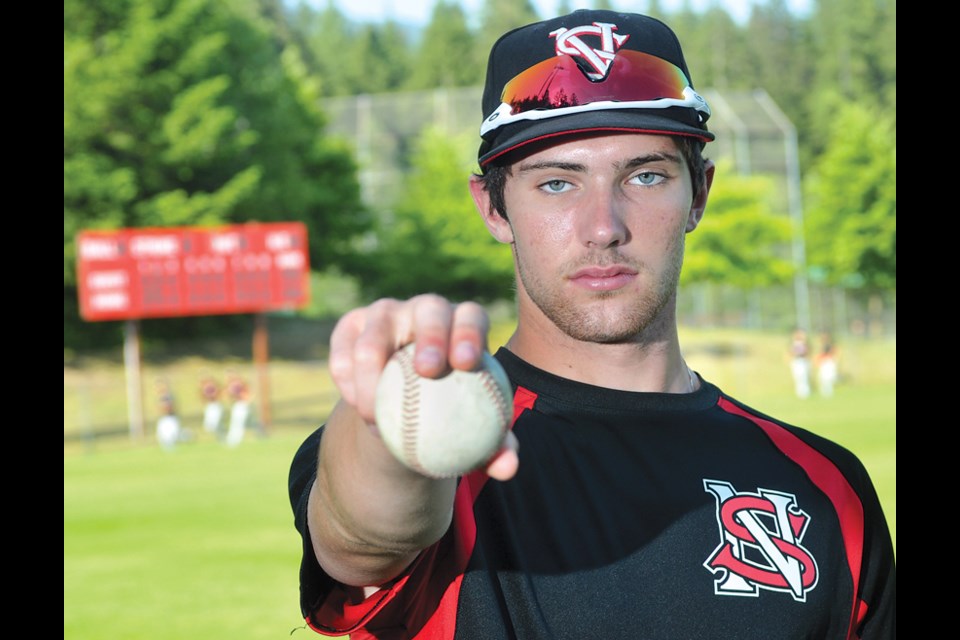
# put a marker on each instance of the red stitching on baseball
(411, 409)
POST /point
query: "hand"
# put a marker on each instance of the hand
(447, 335)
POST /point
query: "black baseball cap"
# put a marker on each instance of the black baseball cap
(590, 70)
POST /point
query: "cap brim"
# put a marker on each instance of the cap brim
(517, 135)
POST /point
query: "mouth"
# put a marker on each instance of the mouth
(603, 278)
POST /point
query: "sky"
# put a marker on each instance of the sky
(418, 11)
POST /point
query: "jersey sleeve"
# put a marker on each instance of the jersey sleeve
(314, 583)
(877, 614)
(410, 601)
(841, 475)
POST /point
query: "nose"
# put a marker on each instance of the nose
(602, 222)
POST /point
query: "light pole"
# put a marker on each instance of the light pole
(801, 287)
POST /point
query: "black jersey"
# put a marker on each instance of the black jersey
(635, 516)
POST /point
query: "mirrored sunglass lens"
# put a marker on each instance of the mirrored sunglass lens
(559, 82)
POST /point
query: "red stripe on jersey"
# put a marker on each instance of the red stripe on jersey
(442, 623)
(834, 485)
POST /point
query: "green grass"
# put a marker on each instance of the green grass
(193, 543)
(199, 543)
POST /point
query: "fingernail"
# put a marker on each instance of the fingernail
(465, 351)
(429, 357)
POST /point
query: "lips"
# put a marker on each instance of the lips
(604, 278)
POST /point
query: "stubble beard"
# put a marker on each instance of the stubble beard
(600, 320)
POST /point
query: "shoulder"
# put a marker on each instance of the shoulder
(812, 451)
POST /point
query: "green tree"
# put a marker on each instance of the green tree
(715, 49)
(775, 36)
(499, 16)
(377, 60)
(446, 55)
(856, 58)
(193, 112)
(330, 38)
(851, 201)
(740, 241)
(655, 9)
(347, 58)
(436, 241)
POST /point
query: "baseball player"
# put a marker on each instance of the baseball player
(632, 498)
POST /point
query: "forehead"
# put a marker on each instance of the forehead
(600, 147)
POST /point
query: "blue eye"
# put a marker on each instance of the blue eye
(555, 186)
(647, 178)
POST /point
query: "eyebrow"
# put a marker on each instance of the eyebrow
(633, 163)
(652, 157)
(526, 167)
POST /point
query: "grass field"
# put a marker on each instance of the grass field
(198, 543)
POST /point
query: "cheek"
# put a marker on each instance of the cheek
(671, 236)
(543, 230)
(554, 230)
(664, 220)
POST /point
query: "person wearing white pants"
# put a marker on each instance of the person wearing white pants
(239, 414)
(239, 394)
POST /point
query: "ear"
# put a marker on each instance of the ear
(498, 226)
(699, 205)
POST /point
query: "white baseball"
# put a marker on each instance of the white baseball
(443, 427)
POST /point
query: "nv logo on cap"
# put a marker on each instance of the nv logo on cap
(569, 42)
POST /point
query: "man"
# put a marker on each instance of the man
(631, 498)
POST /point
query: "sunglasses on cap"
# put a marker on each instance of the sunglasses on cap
(558, 86)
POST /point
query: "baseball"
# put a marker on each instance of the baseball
(447, 426)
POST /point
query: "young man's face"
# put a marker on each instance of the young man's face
(597, 226)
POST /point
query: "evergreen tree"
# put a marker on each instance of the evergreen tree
(498, 17)
(855, 58)
(446, 56)
(775, 36)
(330, 38)
(655, 9)
(193, 112)
(378, 59)
(716, 52)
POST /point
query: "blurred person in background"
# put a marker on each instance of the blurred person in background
(799, 359)
(210, 392)
(169, 431)
(238, 392)
(827, 365)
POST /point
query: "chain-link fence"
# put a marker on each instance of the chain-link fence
(752, 133)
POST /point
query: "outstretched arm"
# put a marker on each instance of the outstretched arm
(369, 515)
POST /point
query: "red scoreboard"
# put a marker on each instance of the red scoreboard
(181, 271)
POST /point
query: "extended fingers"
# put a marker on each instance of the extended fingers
(446, 336)
(468, 336)
(432, 319)
(505, 463)
(360, 345)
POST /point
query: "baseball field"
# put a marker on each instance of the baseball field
(198, 542)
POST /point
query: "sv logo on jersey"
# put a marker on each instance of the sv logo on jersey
(570, 42)
(760, 543)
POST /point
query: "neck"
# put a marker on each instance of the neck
(650, 362)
